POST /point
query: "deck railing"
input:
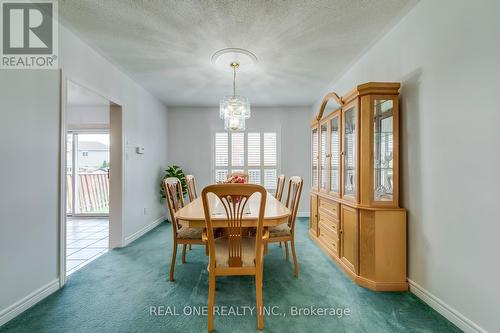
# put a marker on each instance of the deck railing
(92, 196)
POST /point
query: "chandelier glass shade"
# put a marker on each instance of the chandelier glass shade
(234, 109)
(234, 106)
(234, 123)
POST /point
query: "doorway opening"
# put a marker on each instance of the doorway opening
(87, 196)
(92, 181)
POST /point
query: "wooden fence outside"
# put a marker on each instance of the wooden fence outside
(93, 193)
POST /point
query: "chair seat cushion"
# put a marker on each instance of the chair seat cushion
(247, 252)
(280, 230)
(189, 233)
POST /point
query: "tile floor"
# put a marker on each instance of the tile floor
(86, 240)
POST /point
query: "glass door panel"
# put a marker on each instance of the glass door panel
(350, 152)
(315, 158)
(383, 149)
(92, 170)
(335, 155)
(69, 173)
(323, 157)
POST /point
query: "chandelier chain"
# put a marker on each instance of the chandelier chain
(234, 65)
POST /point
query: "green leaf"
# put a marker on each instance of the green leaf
(174, 171)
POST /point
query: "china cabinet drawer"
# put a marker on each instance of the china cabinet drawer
(329, 243)
(327, 230)
(329, 207)
(328, 222)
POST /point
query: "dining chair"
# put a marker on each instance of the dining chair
(285, 232)
(191, 187)
(244, 175)
(235, 254)
(280, 185)
(182, 234)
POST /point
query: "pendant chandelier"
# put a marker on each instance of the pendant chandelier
(234, 109)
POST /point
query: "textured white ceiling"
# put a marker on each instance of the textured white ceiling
(166, 45)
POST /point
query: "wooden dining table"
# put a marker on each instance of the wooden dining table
(275, 212)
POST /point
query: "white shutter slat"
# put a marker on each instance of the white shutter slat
(221, 149)
(270, 179)
(220, 175)
(270, 149)
(238, 149)
(253, 149)
(254, 176)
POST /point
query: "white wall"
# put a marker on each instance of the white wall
(87, 116)
(190, 140)
(447, 56)
(29, 178)
(29, 142)
(145, 124)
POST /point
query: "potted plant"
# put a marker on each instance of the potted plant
(174, 171)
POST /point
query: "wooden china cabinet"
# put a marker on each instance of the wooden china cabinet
(355, 213)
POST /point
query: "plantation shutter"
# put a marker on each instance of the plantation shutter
(255, 153)
(253, 149)
(270, 152)
(221, 156)
(237, 149)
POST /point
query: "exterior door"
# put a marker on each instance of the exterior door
(87, 173)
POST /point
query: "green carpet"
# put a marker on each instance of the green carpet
(115, 293)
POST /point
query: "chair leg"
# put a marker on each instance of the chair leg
(280, 245)
(295, 263)
(258, 298)
(190, 247)
(211, 301)
(172, 263)
(206, 249)
(265, 247)
(287, 256)
(184, 246)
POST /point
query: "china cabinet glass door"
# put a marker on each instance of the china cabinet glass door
(323, 157)
(335, 154)
(383, 136)
(349, 138)
(314, 156)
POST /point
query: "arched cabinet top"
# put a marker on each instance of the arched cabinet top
(328, 97)
(369, 88)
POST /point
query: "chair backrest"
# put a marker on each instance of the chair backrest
(175, 199)
(191, 187)
(234, 198)
(280, 185)
(244, 175)
(293, 198)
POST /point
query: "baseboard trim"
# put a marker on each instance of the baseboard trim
(27, 302)
(302, 214)
(144, 230)
(444, 309)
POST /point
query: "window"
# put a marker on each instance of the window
(255, 153)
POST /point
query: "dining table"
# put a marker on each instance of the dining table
(193, 214)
